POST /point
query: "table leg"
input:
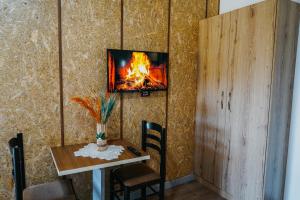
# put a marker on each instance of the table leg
(99, 184)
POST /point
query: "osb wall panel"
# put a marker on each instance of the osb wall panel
(29, 88)
(145, 28)
(88, 29)
(182, 85)
(213, 8)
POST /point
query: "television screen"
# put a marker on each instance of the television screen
(136, 70)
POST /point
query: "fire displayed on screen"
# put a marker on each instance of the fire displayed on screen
(136, 70)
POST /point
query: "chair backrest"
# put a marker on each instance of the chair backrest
(148, 142)
(18, 172)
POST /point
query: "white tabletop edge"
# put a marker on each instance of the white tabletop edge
(100, 166)
(55, 162)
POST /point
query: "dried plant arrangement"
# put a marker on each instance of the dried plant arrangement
(100, 109)
(92, 104)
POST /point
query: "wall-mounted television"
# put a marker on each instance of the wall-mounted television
(130, 71)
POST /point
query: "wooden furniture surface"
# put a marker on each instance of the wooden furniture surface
(66, 163)
(246, 65)
(287, 23)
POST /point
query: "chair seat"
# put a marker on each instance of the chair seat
(56, 190)
(136, 174)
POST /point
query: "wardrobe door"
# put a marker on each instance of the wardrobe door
(211, 148)
(249, 82)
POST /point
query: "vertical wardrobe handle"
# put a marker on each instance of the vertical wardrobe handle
(222, 97)
(229, 102)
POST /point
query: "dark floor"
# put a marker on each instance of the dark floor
(190, 191)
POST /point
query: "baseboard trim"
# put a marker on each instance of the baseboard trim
(213, 188)
(169, 184)
(180, 181)
(187, 179)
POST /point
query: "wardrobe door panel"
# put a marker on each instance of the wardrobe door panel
(235, 57)
(249, 81)
(211, 147)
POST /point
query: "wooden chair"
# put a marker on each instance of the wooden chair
(58, 190)
(139, 176)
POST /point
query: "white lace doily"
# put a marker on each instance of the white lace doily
(90, 150)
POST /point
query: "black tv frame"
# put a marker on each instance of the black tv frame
(132, 91)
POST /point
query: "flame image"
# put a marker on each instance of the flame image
(139, 69)
(138, 73)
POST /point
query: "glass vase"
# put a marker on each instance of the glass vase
(101, 137)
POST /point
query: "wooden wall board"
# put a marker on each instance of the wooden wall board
(185, 16)
(213, 7)
(88, 29)
(29, 88)
(145, 27)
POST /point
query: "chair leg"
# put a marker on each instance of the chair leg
(111, 187)
(72, 185)
(126, 193)
(162, 190)
(143, 194)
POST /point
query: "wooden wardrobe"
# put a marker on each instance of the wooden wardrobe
(244, 92)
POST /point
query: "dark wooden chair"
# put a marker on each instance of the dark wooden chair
(139, 176)
(60, 189)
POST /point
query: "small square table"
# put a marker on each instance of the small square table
(67, 163)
